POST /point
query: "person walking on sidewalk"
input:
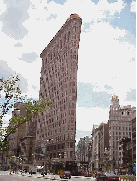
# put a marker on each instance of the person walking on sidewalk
(42, 173)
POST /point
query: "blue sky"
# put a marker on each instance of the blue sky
(106, 64)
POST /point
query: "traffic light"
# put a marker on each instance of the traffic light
(109, 163)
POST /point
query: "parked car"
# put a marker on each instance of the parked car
(107, 177)
(33, 172)
(44, 172)
(66, 174)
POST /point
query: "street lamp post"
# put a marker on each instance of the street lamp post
(22, 161)
(14, 161)
(60, 157)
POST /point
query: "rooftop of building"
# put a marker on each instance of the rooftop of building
(125, 107)
(70, 17)
(133, 115)
(74, 15)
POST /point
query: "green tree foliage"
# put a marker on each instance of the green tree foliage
(11, 161)
(12, 94)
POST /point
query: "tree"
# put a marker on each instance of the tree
(12, 94)
(11, 162)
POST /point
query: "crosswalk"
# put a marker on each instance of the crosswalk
(58, 178)
(49, 177)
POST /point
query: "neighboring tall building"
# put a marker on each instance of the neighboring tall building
(125, 155)
(119, 127)
(22, 142)
(56, 127)
(103, 145)
(133, 139)
(100, 142)
(127, 149)
(84, 154)
(95, 148)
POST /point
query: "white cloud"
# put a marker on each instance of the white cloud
(77, 140)
(3, 7)
(86, 117)
(133, 6)
(113, 8)
(106, 59)
(6, 119)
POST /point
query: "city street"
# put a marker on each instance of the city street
(4, 176)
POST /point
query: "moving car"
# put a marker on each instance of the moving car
(66, 174)
(107, 177)
(86, 174)
(23, 171)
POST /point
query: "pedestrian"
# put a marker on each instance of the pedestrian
(31, 172)
(43, 173)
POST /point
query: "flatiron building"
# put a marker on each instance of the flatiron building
(56, 127)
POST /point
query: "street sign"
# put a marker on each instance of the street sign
(109, 167)
(78, 164)
(134, 169)
(109, 163)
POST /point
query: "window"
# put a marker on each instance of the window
(61, 44)
(64, 40)
(71, 154)
(71, 145)
(72, 112)
(68, 35)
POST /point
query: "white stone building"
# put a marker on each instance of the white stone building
(119, 127)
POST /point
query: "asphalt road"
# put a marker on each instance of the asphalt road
(5, 176)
